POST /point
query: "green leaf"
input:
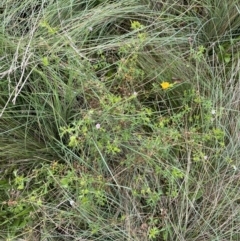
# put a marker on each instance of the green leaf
(64, 182)
(45, 61)
(73, 141)
(227, 58)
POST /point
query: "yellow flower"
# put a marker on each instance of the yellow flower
(165, 85)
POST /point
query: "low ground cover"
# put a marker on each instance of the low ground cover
(119, 120)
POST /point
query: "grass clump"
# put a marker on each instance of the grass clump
(119, 120)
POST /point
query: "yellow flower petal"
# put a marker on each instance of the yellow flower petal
(165, 85)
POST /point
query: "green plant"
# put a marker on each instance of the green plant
(119, 120)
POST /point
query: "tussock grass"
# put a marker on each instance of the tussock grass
(92, 147)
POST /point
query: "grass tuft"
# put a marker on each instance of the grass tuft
(119, 120)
